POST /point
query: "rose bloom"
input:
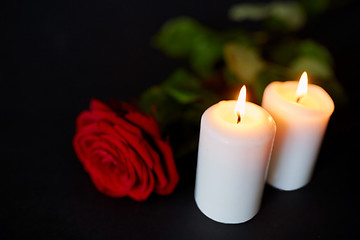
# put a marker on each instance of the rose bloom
(123, 152)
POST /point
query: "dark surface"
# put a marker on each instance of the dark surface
(59, 54)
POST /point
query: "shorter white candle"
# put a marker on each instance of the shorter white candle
(234, 151)
(301, 113)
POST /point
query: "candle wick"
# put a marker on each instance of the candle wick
(298, 99)
(238, 118)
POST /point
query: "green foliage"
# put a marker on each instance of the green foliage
(181, 96)
(206, 52)
(245, 62)
(286, 16)
(179, 102)
(249, 11)
(314, 7)
(183, 87)
(314, 67)
(157, 102)
(185, 38)
(313, 49)
(176, 36)
(219, 63)
(278, 15)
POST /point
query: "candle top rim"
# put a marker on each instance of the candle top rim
(324, 104)
(260, 123)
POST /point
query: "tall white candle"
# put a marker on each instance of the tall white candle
(234, 151)
(301, 117)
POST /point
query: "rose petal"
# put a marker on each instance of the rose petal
(98, 105)
(118, 159)
(145, 184)
(100, 112)
(85, 118)
(88, 146)
(171, 171)
(113, 119)
(112, 183)
(159, 174)
(145, 122)
(105, 181)
(137, 143)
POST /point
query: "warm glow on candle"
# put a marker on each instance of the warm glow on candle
(240, 105)
(301, 111)
(302, 87)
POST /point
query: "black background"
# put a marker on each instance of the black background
(58, 54)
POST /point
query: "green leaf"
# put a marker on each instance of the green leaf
(184, 37)
(236, 35)
(278, 15)
(285, 52)
(248, 11)
(156, 102)
(314, 7)
(286, 16)
(183, 87)
(313, 66)
(313, 49)
(244, 61)
(206, 52)
(151, 97)
(176, 37)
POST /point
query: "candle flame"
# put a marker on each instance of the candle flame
(240, 105)
(302, 87)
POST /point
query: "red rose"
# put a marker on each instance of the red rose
(123, 152)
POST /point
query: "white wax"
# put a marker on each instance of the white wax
(300, 129)
(232, 161)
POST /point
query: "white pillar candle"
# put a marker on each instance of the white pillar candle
(232, 160)
(301, 117)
